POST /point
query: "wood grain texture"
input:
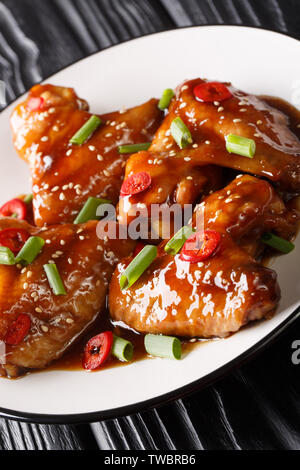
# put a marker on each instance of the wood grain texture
(256, 407)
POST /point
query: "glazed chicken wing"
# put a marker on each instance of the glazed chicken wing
(218, 296)
(85, 265)
(65, 175)
(178, 175)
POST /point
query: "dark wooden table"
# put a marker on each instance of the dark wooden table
(256, 406)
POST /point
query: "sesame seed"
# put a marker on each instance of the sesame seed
(123, 110)
(55, 256)
(106, 173)
(69, 152)
(62, 242)
(45, 328)
(99, 248)
(56, 188)
(189, 177)
(160, 190)
(69, 320)
(256, 135)
(77, 186)
(169, 146)
(100, 158)
(45, 139)
(55, 128)
(228, 200)
(92, 148)
(51, 261)
(237, 120)
(46, 186)
(109, 134)
(62, 197)
(38, 310)
(200, 265)
(25, 285)
(81, 237)
(113, 123)
(48, 242)
(29, 274)
(59, 253)
(259, 122)
(70, 261)
(195, 146)
(80, 230)
(19, 266)
(71, 185)
(187, 159)
(298, 125)
(23, 270)
(207, 142)
(220, 109)
(216, 103)
(243, 110)
(185, 87)
(65, 187)
(78, 191)
(183, 105)
(51, 110)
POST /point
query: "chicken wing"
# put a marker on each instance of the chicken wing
(65, 175)
(178, 175)
(85, 264)
(220, 295)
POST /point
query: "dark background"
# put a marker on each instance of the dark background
(256, 406)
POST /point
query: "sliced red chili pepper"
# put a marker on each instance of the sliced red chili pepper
(15, 206)
(97, 350)
(212, 91)
(14, 238)
(200, 246)
(18, 330)
(35, 103)
(136, 183)
(139, 247)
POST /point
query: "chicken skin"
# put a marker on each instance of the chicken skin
(218, 296)
(177, 175)
(65, 175)
(85, 265)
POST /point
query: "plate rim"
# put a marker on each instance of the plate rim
(195, 386)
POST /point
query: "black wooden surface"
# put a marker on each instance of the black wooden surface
(255, 407)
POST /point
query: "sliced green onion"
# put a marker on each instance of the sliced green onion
(14, 215)
(177, 242)
(138, 266)
(89, 210)
(54, 279)
(163, 346)
(134, 148)
(6, 256)
(240, 145)
(28, 199)
(181, 133)
(166, 98)
(30, 250)
(122, 349)
(278, 243)
(86, 131)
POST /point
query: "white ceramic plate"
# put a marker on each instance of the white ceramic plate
(258, 61)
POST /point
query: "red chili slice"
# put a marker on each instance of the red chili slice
(15, 206)
(97, 350)
(35, 103)
(14, 238)
(200, 246)
(18, 330)
(139, 247)
(136, 183)
(212, 91)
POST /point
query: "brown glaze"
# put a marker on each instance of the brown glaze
(85, 264)
(182, 174)
(219, 296)
(65, 175)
